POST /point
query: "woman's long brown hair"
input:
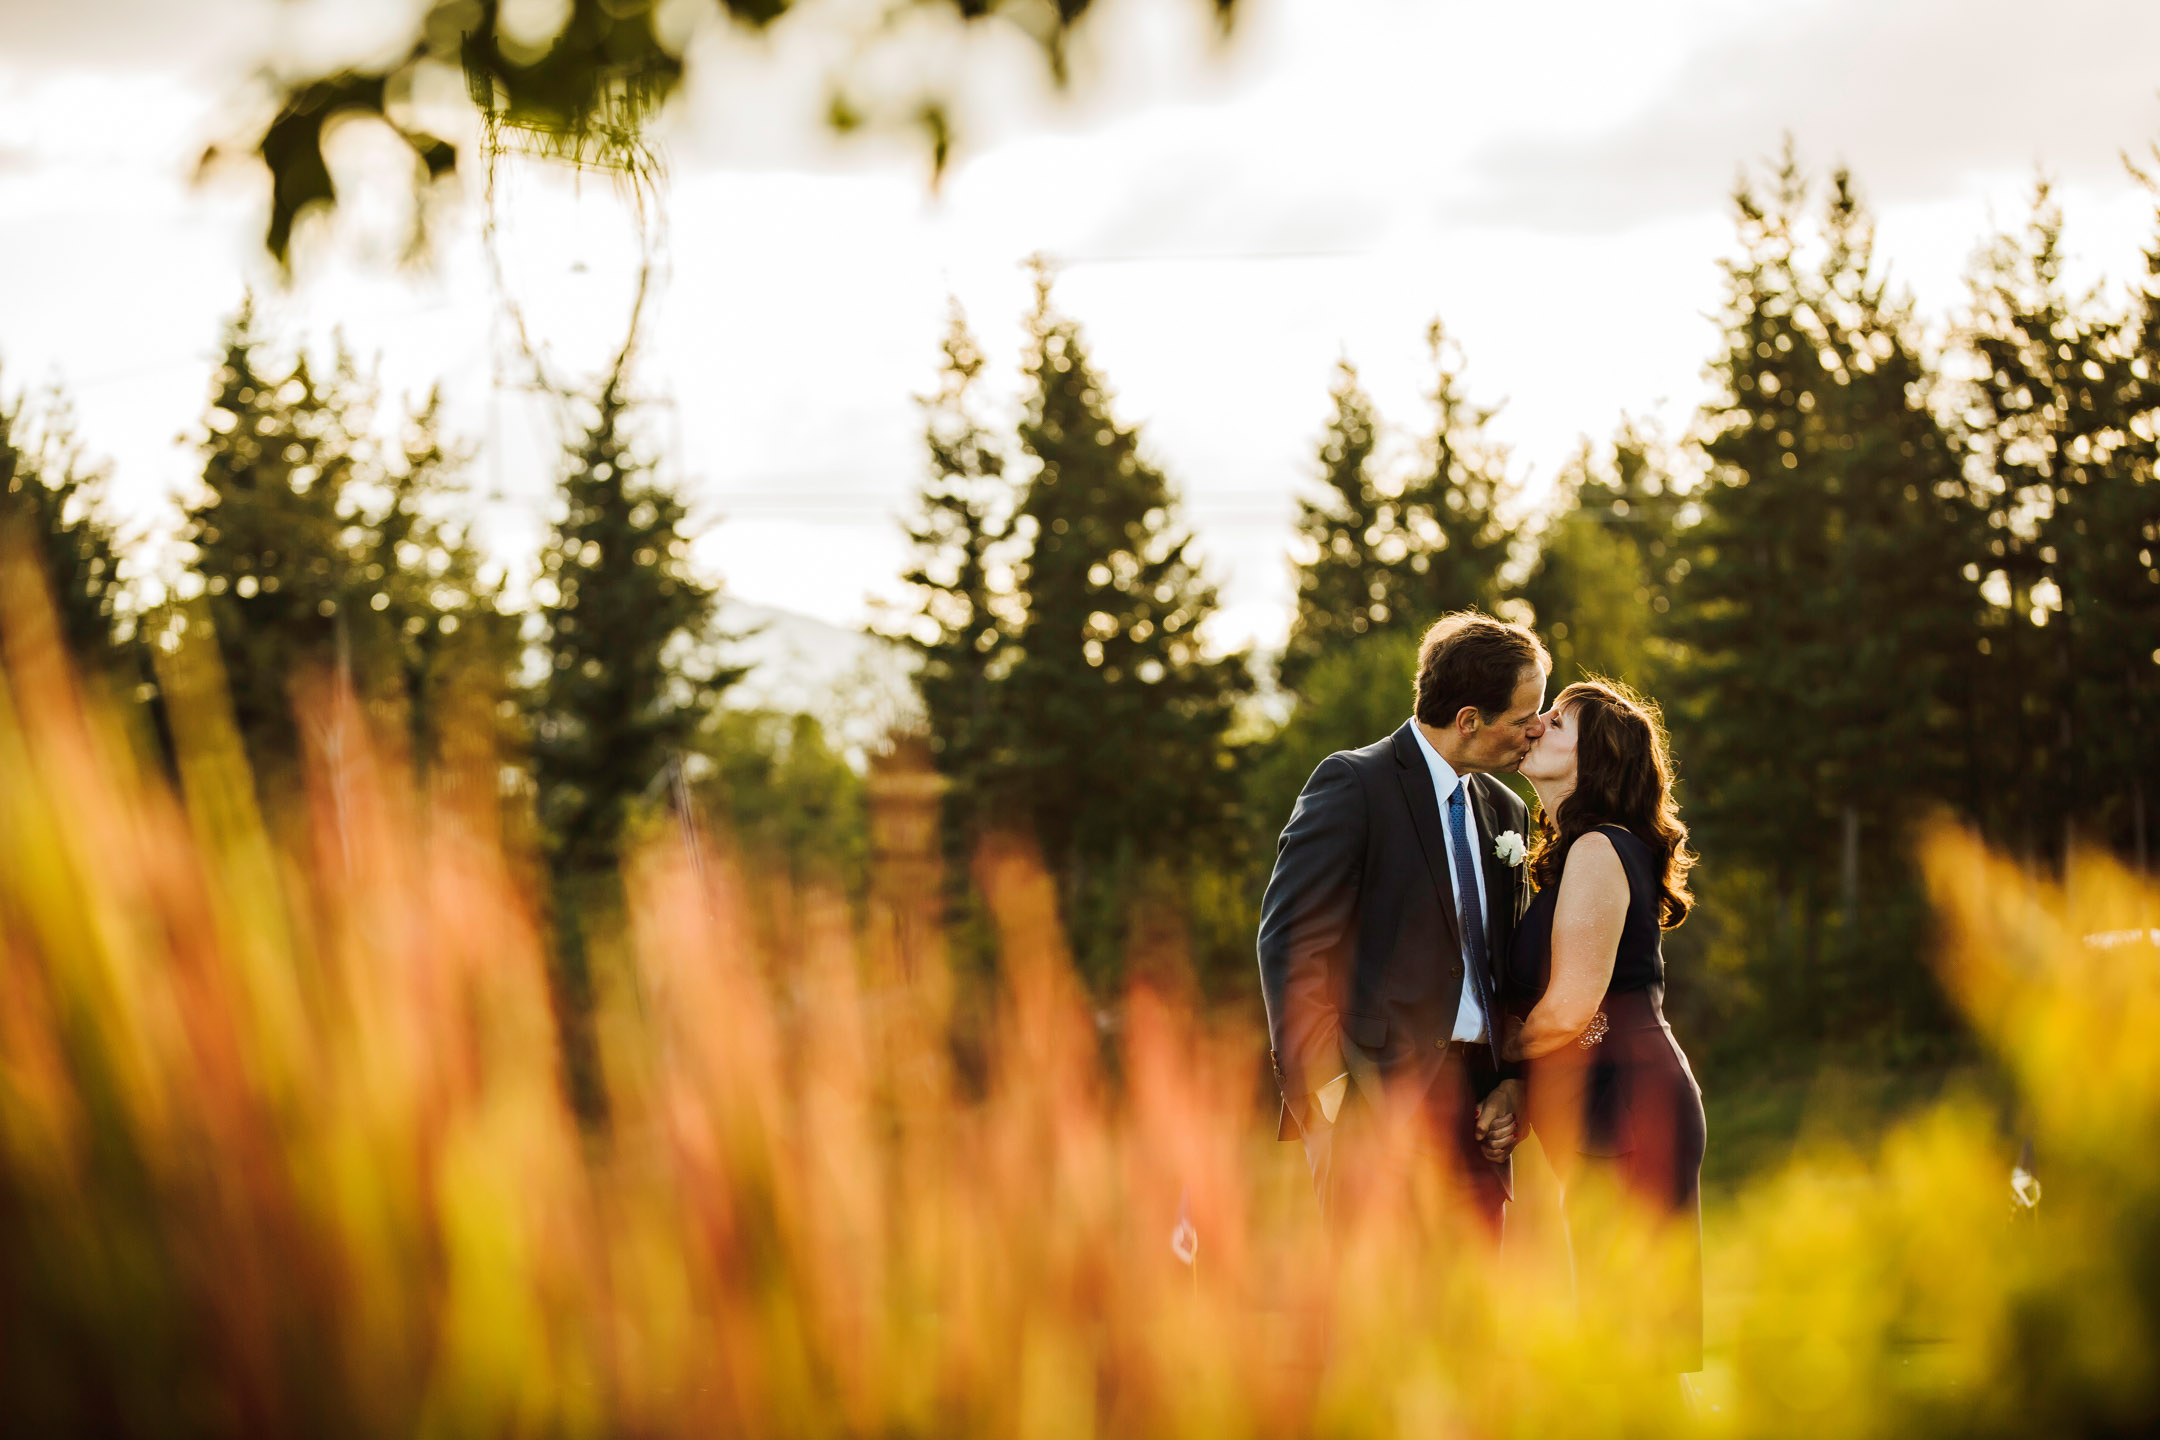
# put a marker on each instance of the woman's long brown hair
(1623, 776)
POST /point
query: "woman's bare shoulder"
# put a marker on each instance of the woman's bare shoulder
(1591, 844)
(1593, 863)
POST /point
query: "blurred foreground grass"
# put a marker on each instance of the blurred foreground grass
(1768, 1114)
(284, 1151)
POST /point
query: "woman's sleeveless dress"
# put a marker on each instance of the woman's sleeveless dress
(1630, 1098)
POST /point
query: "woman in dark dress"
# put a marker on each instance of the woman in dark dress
(1607, 1087)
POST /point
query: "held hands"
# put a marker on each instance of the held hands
(1499, 1128)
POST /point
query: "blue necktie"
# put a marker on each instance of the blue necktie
(1472, 914)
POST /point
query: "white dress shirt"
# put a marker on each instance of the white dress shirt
(1469, 1015)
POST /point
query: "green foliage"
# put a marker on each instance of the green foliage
(321, 551)
(786, 795)
(1066, 687)
(269, 534)
(961, 622)
(1764, 646)
(434, 621)
(2028, 410)
(1452, 537)
(2110, 559)
(1875, 619)
(1344, 588)
(1118, 709)
(52, 513)
(628, 678)
(1607, 555)
(626, 643)
(1379, 553)
(583, 89)
(2060, 415)
(1824, 608)
(1905, 529)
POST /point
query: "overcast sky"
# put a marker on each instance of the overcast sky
(1550, 179)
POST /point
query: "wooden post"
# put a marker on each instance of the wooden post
(2137, 813)
(1849, 871)
(907, 860)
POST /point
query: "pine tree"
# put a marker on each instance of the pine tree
(1381, 555)
(1905, 530)
(269, 535)
(1908, 529)
(1762, 647)
(1118, 709)
(429, 620)
(52, 514)
(2112, 534)
(2042, 411)
(1343, 589)
(629, 680)
(962, 620)
(626, 682)
(1449, 531)
(1606, 560)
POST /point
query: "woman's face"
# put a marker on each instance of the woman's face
(1552, 758)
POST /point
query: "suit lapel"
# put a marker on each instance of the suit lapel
(1499, 881)
(1424, 806)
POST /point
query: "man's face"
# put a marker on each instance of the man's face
(1499, 745)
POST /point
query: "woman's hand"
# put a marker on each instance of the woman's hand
(1511, 1039)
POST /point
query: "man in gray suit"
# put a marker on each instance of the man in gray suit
(1387, 926)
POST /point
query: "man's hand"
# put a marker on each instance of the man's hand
(1331, 1095)
(1498, 1128)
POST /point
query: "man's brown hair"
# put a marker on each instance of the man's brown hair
(1469, 658)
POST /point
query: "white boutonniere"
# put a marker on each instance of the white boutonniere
(1509, 849)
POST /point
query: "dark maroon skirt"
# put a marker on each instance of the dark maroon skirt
(1631, 1100)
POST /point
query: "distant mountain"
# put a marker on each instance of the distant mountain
(857, 683)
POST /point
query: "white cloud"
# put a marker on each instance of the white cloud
(1924, 99)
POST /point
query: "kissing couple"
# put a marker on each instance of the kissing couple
(1441, 978)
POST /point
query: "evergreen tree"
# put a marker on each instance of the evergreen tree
(1907, 530)
(2113, 588)
(1380, 556)
(430, 620)
(2043, 417)
(626, 679)
(1118, 710)
(52, 515)
(1606, 560)
(1762, 646)
(1904, 529)
(629, 680)
(1829, 603)
(962, 620)
(1343, 589)
(1449, 534)
(269, 535)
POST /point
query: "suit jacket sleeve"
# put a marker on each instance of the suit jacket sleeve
(1308, 925)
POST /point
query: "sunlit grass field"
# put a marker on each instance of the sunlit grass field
(284, 1150)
